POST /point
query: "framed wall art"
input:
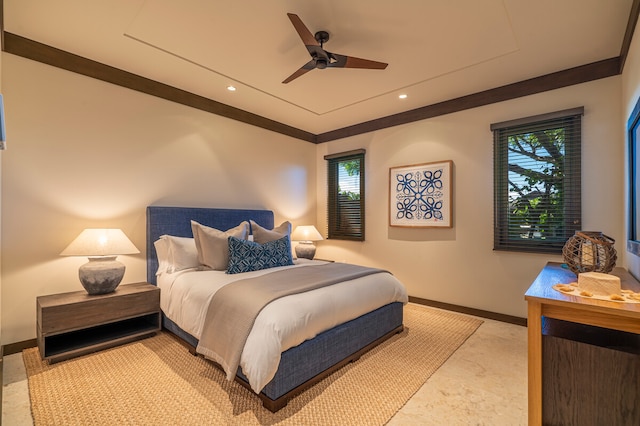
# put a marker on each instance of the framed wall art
(420, 195)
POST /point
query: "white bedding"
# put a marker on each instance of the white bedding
(285, 322)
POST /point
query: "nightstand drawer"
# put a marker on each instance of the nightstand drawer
(88, 312)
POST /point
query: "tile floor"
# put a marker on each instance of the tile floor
(483, 383)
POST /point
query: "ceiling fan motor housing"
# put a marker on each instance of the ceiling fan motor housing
(321, 37)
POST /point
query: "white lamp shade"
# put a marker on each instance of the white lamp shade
(100, 242)
(306, 233)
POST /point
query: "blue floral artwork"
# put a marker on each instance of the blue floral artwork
(420, 195)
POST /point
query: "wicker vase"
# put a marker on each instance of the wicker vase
(590, 251)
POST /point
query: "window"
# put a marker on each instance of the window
(346, 195)
(633, 136)
(537, 182)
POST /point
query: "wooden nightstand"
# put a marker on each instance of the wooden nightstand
(73, 324)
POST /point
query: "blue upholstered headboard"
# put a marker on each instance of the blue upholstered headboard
(177, 221)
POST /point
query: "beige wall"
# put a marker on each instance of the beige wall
(88, 154)
(458, 265)
(630, 95)
(84, 153)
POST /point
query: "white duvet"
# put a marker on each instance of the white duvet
(285, 322)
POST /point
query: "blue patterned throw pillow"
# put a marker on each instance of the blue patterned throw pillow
(246, 256)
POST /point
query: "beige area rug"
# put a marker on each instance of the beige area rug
(157, 382)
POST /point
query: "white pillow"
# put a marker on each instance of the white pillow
(263, 235)
(182, 253)
(213, 245)
(162, 252)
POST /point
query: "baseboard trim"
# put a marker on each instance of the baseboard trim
(470, 311)
(17, 347)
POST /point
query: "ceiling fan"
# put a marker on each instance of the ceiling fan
(321, 58)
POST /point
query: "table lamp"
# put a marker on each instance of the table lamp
(103, 272)
(306, 235)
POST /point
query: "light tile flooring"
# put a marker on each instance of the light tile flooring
(482, 383)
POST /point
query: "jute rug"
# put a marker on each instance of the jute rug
(157, 382)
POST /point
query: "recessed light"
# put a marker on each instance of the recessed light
(231, 88)
(402, 96)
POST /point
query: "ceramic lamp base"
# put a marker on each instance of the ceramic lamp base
(101, 275)
(305, 250)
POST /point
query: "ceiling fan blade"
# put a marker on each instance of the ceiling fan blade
(307, 38)
(303, 70)
(342, 61)
(321, 58)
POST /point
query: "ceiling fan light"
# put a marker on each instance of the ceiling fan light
(321, 63)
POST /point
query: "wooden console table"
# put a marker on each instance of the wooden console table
(544, 302)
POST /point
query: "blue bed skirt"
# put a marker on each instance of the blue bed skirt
(307, 361)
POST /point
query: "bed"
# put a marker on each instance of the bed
(298, 367)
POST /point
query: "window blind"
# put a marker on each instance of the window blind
(346, 195)
(537, 186)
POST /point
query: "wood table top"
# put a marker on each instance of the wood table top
(554, 273)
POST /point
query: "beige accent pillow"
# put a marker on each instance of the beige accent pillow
(262, 235)
(213, 244)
